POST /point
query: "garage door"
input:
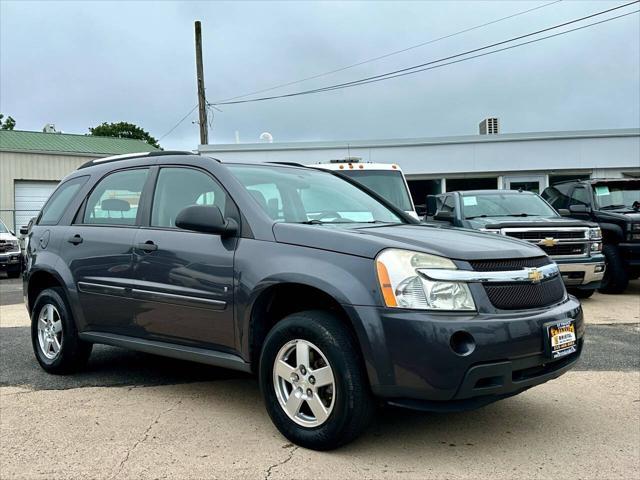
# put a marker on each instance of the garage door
(29, 199)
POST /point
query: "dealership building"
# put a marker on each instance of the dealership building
(32, 164)
(530, 161)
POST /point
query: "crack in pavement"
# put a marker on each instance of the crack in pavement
(279, 464)
(144, 437)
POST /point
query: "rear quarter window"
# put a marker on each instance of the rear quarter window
(59, 201)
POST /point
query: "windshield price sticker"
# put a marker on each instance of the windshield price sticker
(469, 201)
(602, 190)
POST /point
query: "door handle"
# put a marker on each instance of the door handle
(147, 246)
(76, 239)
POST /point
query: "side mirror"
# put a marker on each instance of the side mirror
(579, 209)
(206, 219)
(24, 230)
(444, 216)
(563, 212)
(431, 204)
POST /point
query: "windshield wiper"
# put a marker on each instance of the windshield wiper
(611, 207)
(484, 215)
(319, 222)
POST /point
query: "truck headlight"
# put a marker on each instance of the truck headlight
(635, 227)
(403, 287)
(595, 233)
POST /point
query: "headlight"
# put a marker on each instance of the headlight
(15, 246)
(635, 227)
(595, 233)
(403, 287)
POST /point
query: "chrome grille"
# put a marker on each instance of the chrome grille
(556, 242)
(518, 295)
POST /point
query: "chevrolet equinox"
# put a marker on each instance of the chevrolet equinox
(335, 298)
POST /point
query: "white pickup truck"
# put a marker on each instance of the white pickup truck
(386, 179)
(10, 253)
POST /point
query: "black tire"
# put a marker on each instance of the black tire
(615, 278)
(73, 353)
(576, 292)
(14, 272)
(353, 405)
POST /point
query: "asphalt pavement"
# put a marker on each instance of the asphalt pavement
(133, 415)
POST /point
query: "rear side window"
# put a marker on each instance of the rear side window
(580, 196)
(59, 201)
(115, 199)
(556, 196)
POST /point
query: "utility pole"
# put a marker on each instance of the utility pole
(202, 101)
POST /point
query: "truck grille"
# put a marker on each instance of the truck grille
(564, 249)
(6, 246)
(519, 296)
(540, 235)
(569, 242)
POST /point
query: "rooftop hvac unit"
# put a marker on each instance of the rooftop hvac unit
(489, 126)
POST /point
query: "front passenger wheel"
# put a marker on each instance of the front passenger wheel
(313, 382)
(54, 336)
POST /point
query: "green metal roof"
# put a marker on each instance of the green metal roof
(18, 140)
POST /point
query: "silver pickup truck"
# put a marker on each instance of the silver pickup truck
(575, 245)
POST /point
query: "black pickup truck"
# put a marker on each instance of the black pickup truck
(574, 245)
(614, 204)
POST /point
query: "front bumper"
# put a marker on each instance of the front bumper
(10, 260)
(584, 272)
(410, 360)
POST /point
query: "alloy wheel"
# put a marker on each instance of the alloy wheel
(50, 331)
(304, 383)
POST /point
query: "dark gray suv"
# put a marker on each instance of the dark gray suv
(334, 297)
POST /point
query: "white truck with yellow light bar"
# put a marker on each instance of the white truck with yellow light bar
(385, 179)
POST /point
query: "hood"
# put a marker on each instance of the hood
(368, 241)
(503, 222)
(7, 236)
(626, 214)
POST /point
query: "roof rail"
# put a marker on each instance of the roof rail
(289, 164)
(128, 156)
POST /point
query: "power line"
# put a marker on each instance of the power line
(179, 122)
(491, 52)
(414, 68)
(386, 55)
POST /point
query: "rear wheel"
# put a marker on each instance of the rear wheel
(615, 278)
(313, 381)
(54, 335)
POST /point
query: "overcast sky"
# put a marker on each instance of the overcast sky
(77, 64)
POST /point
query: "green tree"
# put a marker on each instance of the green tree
(7, 124)
(123, 130)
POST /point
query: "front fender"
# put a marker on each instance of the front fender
(348, 279)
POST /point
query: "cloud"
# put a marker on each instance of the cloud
(77, 64)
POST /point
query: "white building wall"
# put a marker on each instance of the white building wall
(611, 153)
(16, 166)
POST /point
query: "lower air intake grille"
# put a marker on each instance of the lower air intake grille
(516, 296)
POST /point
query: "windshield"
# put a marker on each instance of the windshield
(389, 184)
(505, 205)
(298, 195)
(3, 228)
(617, 194)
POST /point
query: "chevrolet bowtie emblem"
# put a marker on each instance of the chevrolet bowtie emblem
(535, 275)
(548, 242)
